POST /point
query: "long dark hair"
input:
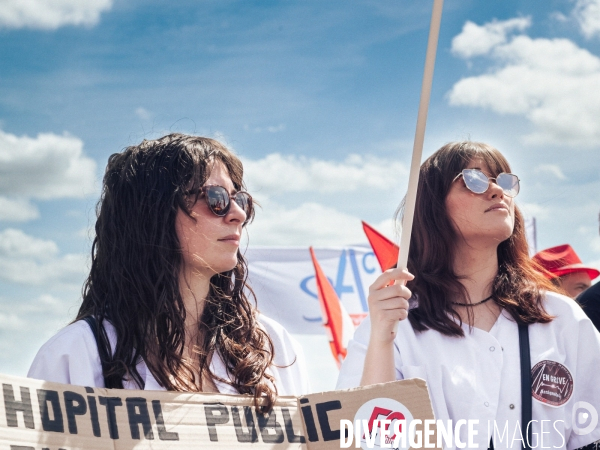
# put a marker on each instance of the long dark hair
(518, 286)
(136, 264)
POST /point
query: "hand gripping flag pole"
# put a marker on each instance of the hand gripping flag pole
(413, 180)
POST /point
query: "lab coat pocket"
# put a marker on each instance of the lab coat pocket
(414, 372)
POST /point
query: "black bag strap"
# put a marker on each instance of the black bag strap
(526, 397)
(102, 352)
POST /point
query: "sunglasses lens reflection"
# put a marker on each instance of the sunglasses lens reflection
(218, 200)
(509, 183)
(243, 201)
(476, 181)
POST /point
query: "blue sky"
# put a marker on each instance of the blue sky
(318, 98)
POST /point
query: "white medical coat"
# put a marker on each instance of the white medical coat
(71, 357)
(478, 376)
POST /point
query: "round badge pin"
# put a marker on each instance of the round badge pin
(551, 383)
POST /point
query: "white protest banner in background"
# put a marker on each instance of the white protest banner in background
(283, 279)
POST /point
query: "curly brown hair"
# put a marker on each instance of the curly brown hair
(134, 277)
(518, 287)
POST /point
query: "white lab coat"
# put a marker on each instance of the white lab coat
(71, 357)
(478, 376)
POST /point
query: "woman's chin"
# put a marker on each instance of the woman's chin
(227, 266)
(490, 238)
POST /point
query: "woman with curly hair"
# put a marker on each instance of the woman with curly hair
(485, 329)
(165, 306)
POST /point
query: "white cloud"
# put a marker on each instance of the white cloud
(548, 81)
(587, 14)
(16, 244)
(51, 14)
(551, 169)
(45, 167)
(477, 40)
(534, 210)
(558, 16)
(311, 223)
(19, 210)
(143, 113)
(596, 243)
(29, 260)
(26, 322)
(389, 228)
(281, 173)
(10, 321)
(308, 224)
(269, 128)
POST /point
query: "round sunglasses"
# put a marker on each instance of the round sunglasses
(219, 201)
(478, 182)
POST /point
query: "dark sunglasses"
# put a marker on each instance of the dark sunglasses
(219, 201)
(478, 182)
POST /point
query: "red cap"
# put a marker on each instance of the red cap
(562, 260)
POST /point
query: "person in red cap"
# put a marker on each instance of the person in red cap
(563, 267)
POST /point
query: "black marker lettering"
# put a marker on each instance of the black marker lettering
(268, 422)
(139, 417)
(93, 414)
(322, 409)
(243, 436)
(309, 422)
(74, 406)
(289, 427)
(163, 434)
(111, 403)
(56, 424)
(213, 419)
(12, 406)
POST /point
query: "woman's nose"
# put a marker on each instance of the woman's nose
(495, 190)
(236, 212)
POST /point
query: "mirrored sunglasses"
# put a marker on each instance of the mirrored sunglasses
(219, 201)
(478, 182)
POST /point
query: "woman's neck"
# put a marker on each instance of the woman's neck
(477, 267)
(194, 288)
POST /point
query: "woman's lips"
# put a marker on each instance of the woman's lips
(498, 207)
(232, 239)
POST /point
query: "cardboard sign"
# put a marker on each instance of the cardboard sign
(406, 400)
(38, 415)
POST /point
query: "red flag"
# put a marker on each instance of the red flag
(385, 250)
(337, 320)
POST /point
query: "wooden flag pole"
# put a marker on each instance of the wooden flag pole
(413, 180)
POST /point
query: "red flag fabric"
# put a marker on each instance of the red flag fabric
(385, 250)
(336, 318)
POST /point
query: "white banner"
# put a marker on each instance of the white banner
(283, 279)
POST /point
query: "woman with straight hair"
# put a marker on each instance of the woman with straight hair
(165, 306)
(473, 301)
